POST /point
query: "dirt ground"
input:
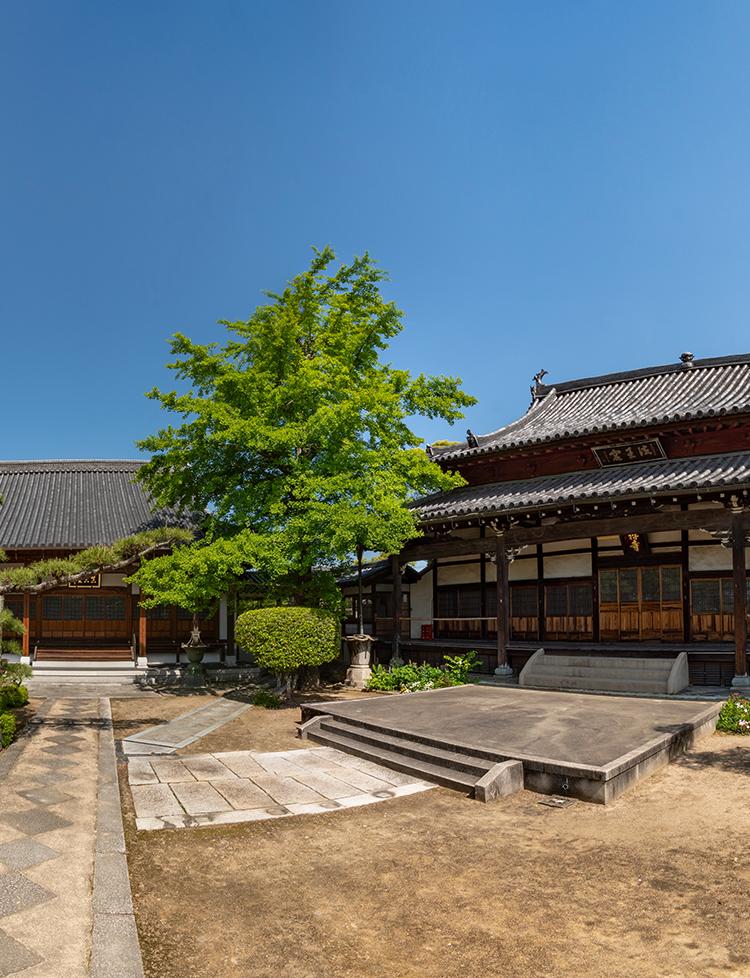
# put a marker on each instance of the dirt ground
(436, 885)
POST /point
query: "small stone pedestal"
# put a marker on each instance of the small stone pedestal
(359, 671)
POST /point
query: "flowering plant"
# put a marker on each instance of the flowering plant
(734, 716)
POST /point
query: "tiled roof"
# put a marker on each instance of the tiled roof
(622, 481)
(635, 399)
(78, 503)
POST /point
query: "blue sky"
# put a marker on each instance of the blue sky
(550, 184)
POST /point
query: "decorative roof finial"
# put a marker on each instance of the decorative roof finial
(687, 359)
(471, 440)
(537, 383)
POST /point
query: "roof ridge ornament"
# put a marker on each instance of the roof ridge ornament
(687, 359)
(537, 383)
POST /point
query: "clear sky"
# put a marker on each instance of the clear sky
(558, 184)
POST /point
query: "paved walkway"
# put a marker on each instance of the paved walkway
(244, 786)
(65, 907)
(183, 730)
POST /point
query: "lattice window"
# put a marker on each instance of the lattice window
(73, 609)
(557, 601)
(671, 584)
(116, 609)
(447, 604)
(524, 602)
(580, 600)
(650, 584)
(628, 586)
(706, 597)
(52, 608)
(608, 592)
(95, 608)
(469, 604)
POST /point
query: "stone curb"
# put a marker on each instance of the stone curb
(115, 952)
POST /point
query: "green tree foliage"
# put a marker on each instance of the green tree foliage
(295, 435)
(283, 640)
(44, 575)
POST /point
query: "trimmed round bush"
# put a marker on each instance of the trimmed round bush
(283, 639)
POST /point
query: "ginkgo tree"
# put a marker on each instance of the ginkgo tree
(296, 436)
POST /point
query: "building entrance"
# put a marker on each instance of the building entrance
(641, 604)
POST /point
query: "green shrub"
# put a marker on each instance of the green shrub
(13, 673)
(284, 639)
(734, 715)
(411, 678)
(13, 697)
(7, 728)
(457, 668)
(266, 699)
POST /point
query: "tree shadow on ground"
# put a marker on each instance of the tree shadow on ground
(730, 757)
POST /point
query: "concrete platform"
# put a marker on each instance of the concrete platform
(582, 746)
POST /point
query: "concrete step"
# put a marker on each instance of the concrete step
(608, 662)
(547, 671)
(592, 683)
(606, 674)
(408, 747)
(87, 672)
(395, 759)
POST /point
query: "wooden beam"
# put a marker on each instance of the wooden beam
(710, 519)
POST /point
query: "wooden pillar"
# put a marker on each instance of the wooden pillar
(503, 611)
(396, 609)
(740, 603)
(141, 631)
(26, 623)
(129, 613)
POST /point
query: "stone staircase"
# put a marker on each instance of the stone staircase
(599, 673)
(469, 770)
(89, 670)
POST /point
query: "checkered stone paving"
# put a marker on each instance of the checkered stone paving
(48, 839)
(25, 852)
(14, 956)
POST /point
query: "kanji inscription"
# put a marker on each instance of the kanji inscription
(93, 580)
(628, 453)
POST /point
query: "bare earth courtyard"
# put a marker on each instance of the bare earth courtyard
(434, 884)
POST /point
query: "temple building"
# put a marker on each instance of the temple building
(57, 508)
(612, 517)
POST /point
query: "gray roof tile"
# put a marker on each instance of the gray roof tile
(593, 485)
(636, 399)
(76, 503)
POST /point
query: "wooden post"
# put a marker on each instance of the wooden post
(740, 603)
(396, 609)
(503, 611)
(142, 631)
(27, 624)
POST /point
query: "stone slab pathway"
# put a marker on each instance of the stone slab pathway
(65, 906)
(248, 786)
(183, 730)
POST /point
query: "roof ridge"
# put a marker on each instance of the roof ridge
(604, 380)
